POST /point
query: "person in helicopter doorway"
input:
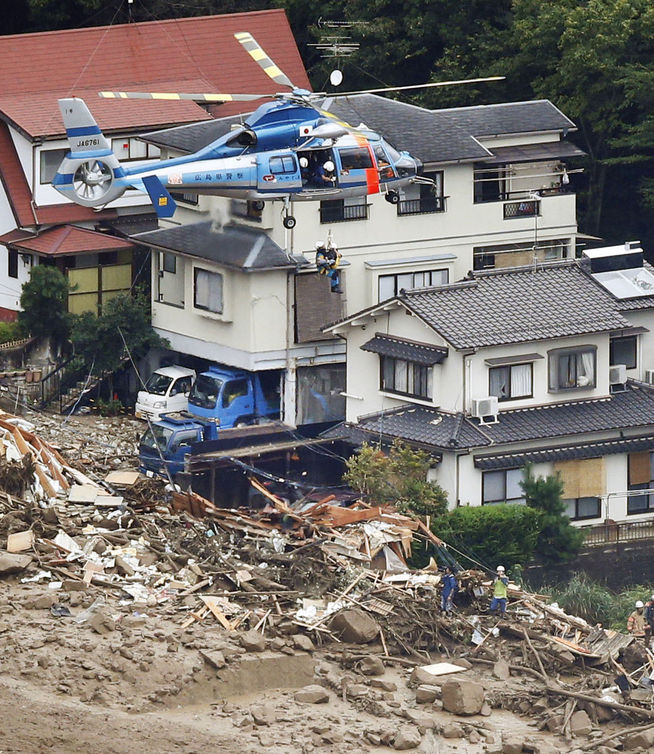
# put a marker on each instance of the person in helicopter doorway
(323, 174)
(327, 260)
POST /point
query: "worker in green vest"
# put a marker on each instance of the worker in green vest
(500, 592)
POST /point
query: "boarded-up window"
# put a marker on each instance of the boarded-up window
(639, 468)
(583, 478)
(315, 306)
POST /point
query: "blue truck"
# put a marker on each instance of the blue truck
(166, 442)
(233, 398)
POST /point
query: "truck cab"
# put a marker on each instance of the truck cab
(166, 391)
(166, 443)
(235, 398)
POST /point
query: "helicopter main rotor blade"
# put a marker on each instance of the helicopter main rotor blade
(179, 96)
(258, 55)
(419, 86)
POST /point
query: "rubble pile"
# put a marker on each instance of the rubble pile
(155, 596)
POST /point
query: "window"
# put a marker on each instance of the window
(525, 208)
(623, 351)
(406, 377)
(421, 198)
(582, 507)
(502, 487)
(250, 210)
(489, 183)
(208, 290)
(134, 149)
(518, 254)
(572, 368)
(12, 263)
(342, 210)
(355, 158)
(169, 262)
(234, 389)
(511, 382)
(50, 161)
(283, 164)
(641, 477)
(391, 285)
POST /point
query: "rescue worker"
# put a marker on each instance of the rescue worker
(500, 592)
(327, 260)
(649, 614)
(636, 622)
(450, 587)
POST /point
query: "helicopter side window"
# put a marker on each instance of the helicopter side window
(284, 164)
(355, 158)
(383, 165)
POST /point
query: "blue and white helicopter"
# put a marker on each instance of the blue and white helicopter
(287, 149)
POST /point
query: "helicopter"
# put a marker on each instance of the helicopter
(289, 148)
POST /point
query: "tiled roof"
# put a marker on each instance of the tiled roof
(68, 239)
(231, 246)
(519, 305)
(627, 410)
(410, 350)
(508, 118)
(196, 54)
(432, 136)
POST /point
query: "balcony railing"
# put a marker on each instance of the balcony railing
(613, 533)
(423, 206)
(527, 208)
(340, 213)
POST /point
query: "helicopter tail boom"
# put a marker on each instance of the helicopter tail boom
(88, 173)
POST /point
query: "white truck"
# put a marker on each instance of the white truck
(166, 391)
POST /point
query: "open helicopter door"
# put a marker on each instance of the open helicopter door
(278, 172)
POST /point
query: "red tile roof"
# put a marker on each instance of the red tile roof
(71, 240)
(196, 54)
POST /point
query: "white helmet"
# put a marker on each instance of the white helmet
(500, 569)
(639, 604)
(320, 244)
(304, 163)
(329, 166)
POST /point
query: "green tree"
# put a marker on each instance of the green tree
(399, 477)
(491, 534)
(558, 540)
(44, 304)
(102, 340)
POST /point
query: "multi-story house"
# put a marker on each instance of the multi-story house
(501, 194)
(92, 247)
(549, 363)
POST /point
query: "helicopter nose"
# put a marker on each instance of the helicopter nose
(406, 166)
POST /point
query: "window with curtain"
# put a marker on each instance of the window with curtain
(208, 290)
(511, 382)
(572, 368)
(406, 377)
(640, 477)
(502, 487)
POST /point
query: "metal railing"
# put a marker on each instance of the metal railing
(342, 212)
(614, 533)
(423, 206)
(527, 208)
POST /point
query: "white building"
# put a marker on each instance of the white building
(550, 364)
(269, 304)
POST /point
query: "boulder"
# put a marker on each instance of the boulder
(354, 626)
(512, 745)
(580, 723)
(13, 562)
(301, 641)
(406, 738)
(312, 694)
(372, 665)
(253, 641)
(643, 740)
(501, 670)
(463, 697)
(426, 694)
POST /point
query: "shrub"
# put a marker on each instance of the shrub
(585, 598)
(11, 331)
(491, 534)
(44, 303)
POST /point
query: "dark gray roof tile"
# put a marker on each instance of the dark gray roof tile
(410, 350)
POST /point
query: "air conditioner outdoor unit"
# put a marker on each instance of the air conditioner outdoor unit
(649, 376)
(617, 374)
(485, 409)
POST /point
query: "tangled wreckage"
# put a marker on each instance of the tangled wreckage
(107, 548)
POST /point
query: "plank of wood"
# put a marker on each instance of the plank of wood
(126, 478)
(20, 541)
(212, 604)
(197, 616)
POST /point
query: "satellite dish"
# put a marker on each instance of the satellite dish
(336, 78)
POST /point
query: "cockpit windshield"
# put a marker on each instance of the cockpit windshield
(205, 391)
(156, 438)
